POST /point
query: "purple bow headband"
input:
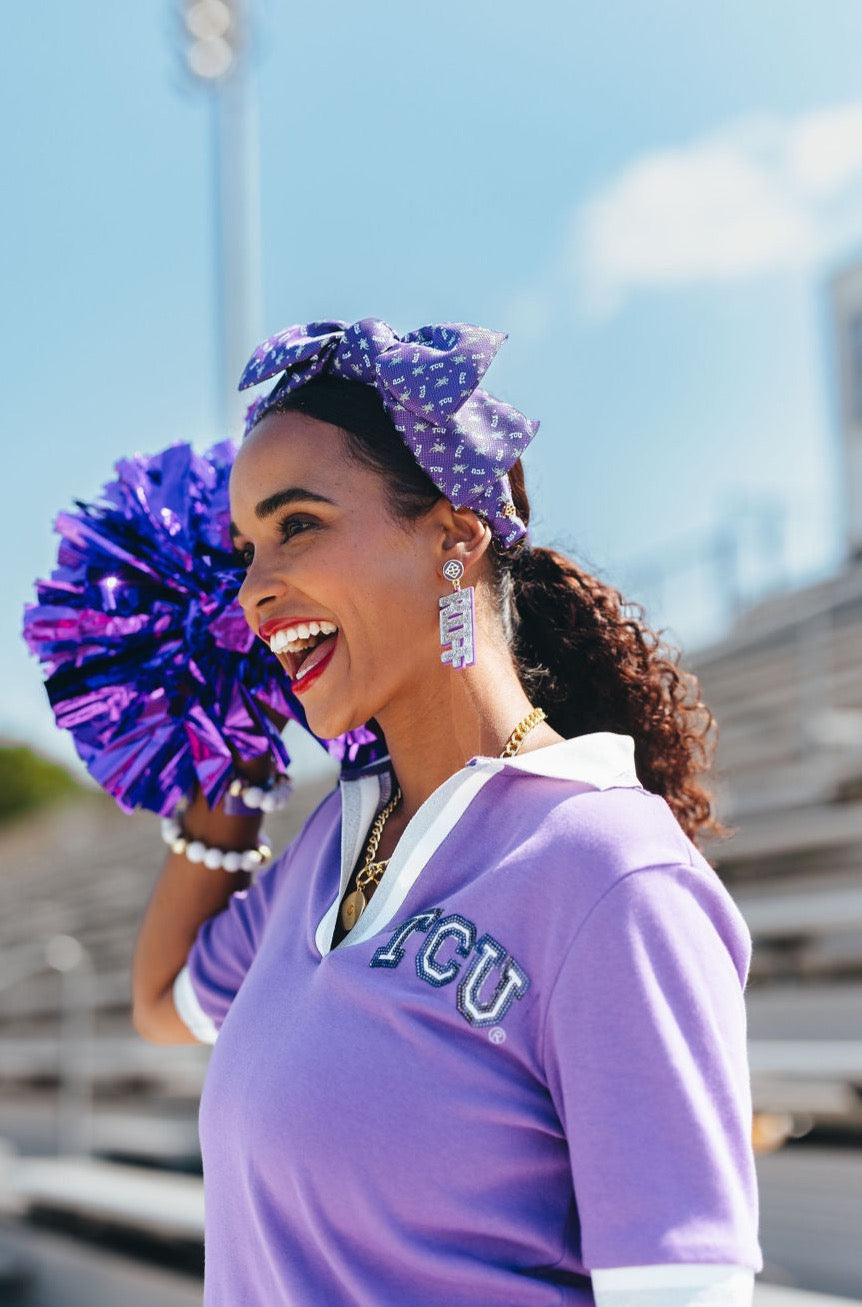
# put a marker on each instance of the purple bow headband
(460, 435)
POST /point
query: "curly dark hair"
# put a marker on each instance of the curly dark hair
(596, 665)
(581, 649)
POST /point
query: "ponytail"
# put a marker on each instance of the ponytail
(588, 658)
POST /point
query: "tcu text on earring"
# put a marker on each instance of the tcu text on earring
(457, 619)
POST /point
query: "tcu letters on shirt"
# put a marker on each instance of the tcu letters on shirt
(521, 1079)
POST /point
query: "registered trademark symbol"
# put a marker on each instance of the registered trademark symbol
(497, 1035)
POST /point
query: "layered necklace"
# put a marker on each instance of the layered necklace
(356, 901)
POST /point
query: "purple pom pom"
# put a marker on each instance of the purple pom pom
(149, 661)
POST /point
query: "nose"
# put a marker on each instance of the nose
(258, 589)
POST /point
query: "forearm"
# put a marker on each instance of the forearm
(185, 895)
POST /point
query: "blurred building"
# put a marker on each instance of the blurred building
(786, 689)
(785, 685)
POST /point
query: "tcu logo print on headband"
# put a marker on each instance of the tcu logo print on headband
(463, 438)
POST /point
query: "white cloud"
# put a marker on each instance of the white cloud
(824, 150)
(752, 198)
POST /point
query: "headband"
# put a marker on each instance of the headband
(462, 437)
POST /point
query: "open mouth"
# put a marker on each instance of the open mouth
(304, 647)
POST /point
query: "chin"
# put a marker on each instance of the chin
(327, 722)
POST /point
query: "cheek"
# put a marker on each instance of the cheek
(408, 618)
(410, 582)
(396, 607)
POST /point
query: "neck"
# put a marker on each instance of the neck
(457, 715)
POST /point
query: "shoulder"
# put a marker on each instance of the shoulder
(669, 911)
(623, 827)
(605, 832)
(621, 848)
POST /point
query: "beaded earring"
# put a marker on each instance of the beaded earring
(457, 619)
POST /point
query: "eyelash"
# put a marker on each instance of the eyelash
(287, 522)
(246, 555)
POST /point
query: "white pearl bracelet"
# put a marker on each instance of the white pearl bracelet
(216, 859)
(257, 798)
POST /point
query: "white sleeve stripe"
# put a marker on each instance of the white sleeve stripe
(190, 1011)
(674, 1284)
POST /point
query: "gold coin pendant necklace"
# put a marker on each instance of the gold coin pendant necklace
(356, 902)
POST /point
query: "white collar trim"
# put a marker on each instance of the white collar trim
(602, 760)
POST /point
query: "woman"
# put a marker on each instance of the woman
(507, 1066)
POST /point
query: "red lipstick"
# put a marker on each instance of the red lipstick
(298, 684)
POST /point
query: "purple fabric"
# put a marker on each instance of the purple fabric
(464, 438)
(149, 661)
(363, 1142)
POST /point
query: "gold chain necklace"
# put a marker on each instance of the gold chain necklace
(521, 731)
(356, 902)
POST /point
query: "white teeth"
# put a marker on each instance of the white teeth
(290, 639)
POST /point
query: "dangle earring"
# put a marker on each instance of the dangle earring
(457, 619)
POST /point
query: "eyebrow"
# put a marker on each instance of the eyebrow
(283, 499)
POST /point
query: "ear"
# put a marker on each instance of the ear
(463, 535)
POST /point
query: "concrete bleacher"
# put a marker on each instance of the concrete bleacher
(86, 870)
(785, 686)
(162, 1204)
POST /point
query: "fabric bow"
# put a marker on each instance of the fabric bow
(428, 381)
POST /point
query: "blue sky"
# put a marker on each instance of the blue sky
(648, 197)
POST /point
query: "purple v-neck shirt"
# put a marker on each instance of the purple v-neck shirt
(526, 1062)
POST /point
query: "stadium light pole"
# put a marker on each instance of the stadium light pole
(219, 56)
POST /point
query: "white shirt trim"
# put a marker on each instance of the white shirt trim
(425, 831)
(674, 1285)
(422, 835)
(598, 761)
(592, 762)
(360, 799)
(190, 1011)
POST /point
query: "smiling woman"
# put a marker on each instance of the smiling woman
(479, 1033)
(338, 554)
